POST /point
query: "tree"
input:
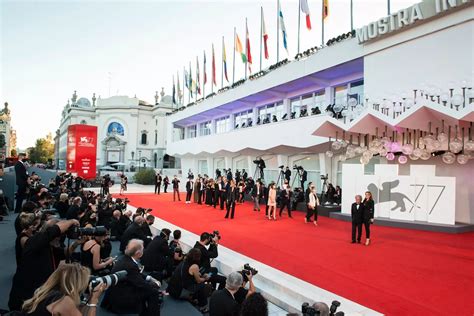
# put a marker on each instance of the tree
(42, 151)
(13, 153)
(2, 141)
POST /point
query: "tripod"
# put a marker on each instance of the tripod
(280, 180)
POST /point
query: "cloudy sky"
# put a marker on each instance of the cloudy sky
(51, 48)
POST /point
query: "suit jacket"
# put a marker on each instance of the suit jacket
(21, 174)
(189, 186)
(206, 255)
(368, 210)
(223, 304)
(232, 196)
(357, 214)
(254, 191)
(285, 196)
(133, 231)
(155, 255)
(127, 296)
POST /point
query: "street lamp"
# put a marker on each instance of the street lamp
(139, 160)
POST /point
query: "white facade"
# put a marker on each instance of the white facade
(131, 132)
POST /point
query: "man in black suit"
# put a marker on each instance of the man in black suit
(74, 210)
(208, 253)
(175, 183)
(134, 231)
(257, 194)
(222, 192)
(287, 174)
(158, 180)
(232, 196)
(156, 255)
(244, 175)
(357, 213)
(21, 181)
(222, 302)
(137, 293)
(149, 221)
(285, 200)
(189, 190)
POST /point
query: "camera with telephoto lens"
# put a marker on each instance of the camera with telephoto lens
(109, 279)
(179, 251)
(333, 308)
(74, 232)
(248, 270)
(215, 234)
(295, 167)
(324, 177)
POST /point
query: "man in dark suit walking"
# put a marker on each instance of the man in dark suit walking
(285, 200)
(175, 183)
(158, 180)
(232, 196)
(137, 293)
(21, 181)
(357, 213)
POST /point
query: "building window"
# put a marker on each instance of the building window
(243, 119)
(116, 128)
(222, 125)
(205, 128)
(178, 133)
(270, 113)
(156, 138)
(192, 131)
(356, 91)
(143, 139)
(340, 94)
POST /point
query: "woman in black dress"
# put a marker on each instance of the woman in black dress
(368, 215)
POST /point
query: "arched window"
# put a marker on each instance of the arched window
(156, 138)
(143, 140)
(115, 127)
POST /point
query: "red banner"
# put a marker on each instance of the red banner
(82, 150)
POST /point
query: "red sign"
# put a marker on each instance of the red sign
(81, 152)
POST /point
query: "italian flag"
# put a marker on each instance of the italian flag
(249, 55)
(239, 48)
(265, 37)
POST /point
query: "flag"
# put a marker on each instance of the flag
(213, 67)
(282, 26)
(224, 61)
(265, 37)
(191, 81)
(174, 92)
(305, 9)
(239, 49)
(205, 75)
(198, 83)
(247, 43)
(178, 88)
(325, 9)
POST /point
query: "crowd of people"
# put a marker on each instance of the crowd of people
(65, 236)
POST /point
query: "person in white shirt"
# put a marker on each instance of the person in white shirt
(312, 206)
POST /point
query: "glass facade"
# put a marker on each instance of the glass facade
(205, 128)
(222, 125)
(192, 131)
(242, 119)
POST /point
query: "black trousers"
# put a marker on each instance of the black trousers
(20, 196)
(230, 209)
(358, 227)
(151, 303)
(222, 199)
(367, 229)
(157, 188)
(217, 279)
(188, 195)
(312, 212)
(286, 204)
(200, 195)
(176, 192)
(165, 188)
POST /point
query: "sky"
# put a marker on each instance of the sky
(48, 49)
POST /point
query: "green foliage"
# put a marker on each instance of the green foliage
(43, 150)
(145, 176)
(13, 153)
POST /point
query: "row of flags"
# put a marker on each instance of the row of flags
(194, 85)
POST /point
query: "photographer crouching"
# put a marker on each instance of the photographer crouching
(208, 246)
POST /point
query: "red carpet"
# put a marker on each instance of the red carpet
(404, 272)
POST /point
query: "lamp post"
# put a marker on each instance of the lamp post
(139, 160)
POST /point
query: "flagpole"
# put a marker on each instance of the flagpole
(197, 80)
(278, 31)
(233, 60)
(204, 72)
(190, 89)
(388, 7)
(261, 35)
(222, 64)
(322, 23)
(299, 24)
(246, 60)
(352, 16)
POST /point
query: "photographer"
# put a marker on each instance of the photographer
(137, 293)
(247, 278)
(29, 223)
(62, 205)
(149, 221)
(74, 209)
(156, 256)
(223, 302)
(41, 256)
(187, 282)
(90, 255)
(287, 174)
(208, 246)
(134, 231)
(175, 249)
(61, 293)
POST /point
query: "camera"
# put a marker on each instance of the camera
(109, 280)
(215, 234)
(295, 167)
(248, 269)
(74, 232)
(309, 310)
(281, 167)
(333, 308)
(324, 177)
(179, 251)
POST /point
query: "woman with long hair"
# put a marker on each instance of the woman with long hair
(61, 293)
(271, 201)
(368, 215)
(29, 223)
(91, 256)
